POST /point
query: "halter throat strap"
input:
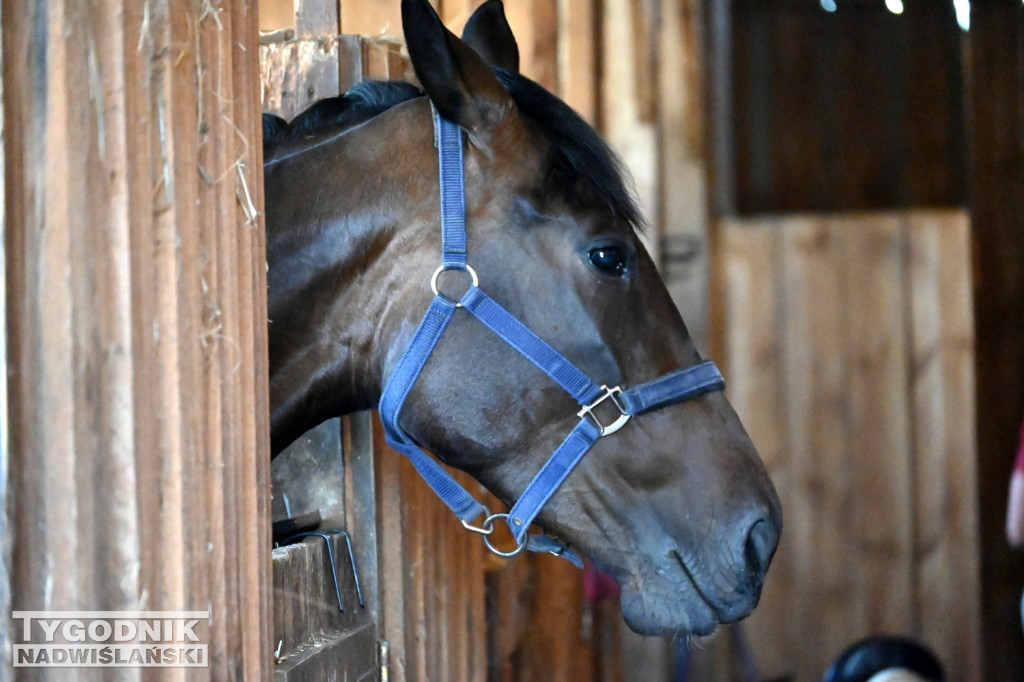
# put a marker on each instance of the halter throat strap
(676, 386)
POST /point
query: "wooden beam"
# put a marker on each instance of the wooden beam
(996, 115)
(942, 401)
(316, 18)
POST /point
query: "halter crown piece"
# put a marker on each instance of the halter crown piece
(673, 387)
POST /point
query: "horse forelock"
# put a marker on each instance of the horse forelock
(581, 167)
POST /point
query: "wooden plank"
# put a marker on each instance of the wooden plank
(316, 18)
(319, 640)
(754, 315)
(621, 121)
(946, 539)
(253, 420)
(297, 73)
(214, 326)
(476, 613)
(5, 514)
(276, 15)
(681, 174)
(643, 658)
(508, 618)
(797, 131)
(150, 495)
(870, 335)
(934, 126)
(722, 173)
(414, 574)
(879, 424)
(546, 35)
(390, 531)
(383, 60)
(646, 20)
(520, 19)
(996, 114)
(371, 18)
(552, 645)
(577, 56)
(351, 69)
(892, 136)
(816, 382)
(362, 506)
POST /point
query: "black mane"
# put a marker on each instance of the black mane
(362, 102)
(582, 168)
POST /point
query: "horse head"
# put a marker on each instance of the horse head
(676, 504)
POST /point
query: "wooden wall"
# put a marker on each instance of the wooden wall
(854, 109)
(135, 318)
(849, 350)
(996, 111)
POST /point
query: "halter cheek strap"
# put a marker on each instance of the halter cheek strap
(673, 387)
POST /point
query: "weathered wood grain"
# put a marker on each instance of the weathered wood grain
(995, 109)
(942, 385)
(756, 303)
(136, 316)
(578, 79)
(848, 346)
(298, 72)
(621, 118)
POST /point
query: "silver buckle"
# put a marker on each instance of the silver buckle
(608, 394)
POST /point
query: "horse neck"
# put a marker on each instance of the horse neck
(331, 218)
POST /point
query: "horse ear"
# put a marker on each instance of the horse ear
(456, 79)
(488, 32)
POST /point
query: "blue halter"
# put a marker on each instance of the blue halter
(675, 386)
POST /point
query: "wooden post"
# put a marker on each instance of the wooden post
(996, 112)
(136, 322)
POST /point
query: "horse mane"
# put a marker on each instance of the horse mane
(360, 103)
(581, 168)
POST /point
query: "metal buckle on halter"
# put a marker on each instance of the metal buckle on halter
(608, 394)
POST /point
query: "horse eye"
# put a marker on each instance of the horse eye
(609, 260)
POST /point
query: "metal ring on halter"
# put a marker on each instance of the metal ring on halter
(437, 273)
(485, 528)
(489, 523)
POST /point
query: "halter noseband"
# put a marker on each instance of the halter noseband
(675, 386)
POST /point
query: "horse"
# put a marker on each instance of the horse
(676, 505)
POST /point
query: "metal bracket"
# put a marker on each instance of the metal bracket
(325, 534)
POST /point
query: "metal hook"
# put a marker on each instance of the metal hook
(351, 560)
(325, 535)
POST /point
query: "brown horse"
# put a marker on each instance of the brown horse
(676, 506)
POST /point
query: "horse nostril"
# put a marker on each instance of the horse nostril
(762, 538)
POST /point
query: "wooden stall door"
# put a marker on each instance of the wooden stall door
(849, 346)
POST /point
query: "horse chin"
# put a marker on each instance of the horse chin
(662, 607)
